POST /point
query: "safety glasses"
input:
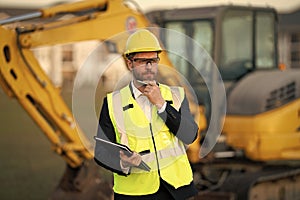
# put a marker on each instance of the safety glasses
(145, 61)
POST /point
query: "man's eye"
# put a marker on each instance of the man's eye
(143, 61)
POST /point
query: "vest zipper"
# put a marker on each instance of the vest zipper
(152, 136)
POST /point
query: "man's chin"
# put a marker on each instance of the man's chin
(149, 78)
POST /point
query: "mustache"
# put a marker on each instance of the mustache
(148, 72)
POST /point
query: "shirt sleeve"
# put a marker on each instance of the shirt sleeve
(163, 108)
(103, 157)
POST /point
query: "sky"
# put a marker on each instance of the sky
(282, 6)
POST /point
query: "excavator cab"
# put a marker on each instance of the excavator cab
(240, 40)
(261, 126)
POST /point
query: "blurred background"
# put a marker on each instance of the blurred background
(29, 169)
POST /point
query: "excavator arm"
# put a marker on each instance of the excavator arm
(22, 78)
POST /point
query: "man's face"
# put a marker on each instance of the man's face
(144, 66)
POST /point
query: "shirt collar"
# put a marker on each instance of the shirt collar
(136, 93)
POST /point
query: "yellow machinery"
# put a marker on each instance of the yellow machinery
(262, 124)
(260, 142)
(259, 145)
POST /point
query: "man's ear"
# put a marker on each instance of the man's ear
(129, 64)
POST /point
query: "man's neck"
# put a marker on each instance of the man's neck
(139, 85)
(135, 90)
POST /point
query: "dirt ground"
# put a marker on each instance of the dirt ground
(29, 169)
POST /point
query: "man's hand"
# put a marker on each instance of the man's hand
(152, 92)
(134, 160)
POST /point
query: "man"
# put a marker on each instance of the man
(155, 122)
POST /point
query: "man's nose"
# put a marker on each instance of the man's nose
(148, 65)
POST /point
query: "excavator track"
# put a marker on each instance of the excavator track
(277, 184)
(242, 181)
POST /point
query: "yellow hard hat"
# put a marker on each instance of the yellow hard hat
(142, 41)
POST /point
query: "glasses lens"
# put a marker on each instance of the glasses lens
(144, 61)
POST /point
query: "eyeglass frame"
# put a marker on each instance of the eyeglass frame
(145, 61)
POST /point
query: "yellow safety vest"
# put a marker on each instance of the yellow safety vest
(167, 157)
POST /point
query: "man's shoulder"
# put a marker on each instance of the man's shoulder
(116, 93)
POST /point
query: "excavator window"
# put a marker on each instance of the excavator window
(265, 37)
(237, 44)
(200, 31)
(250, 48)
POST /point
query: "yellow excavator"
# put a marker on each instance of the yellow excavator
(257, 154)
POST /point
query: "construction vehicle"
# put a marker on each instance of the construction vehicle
(260, 143)
(257, 155)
